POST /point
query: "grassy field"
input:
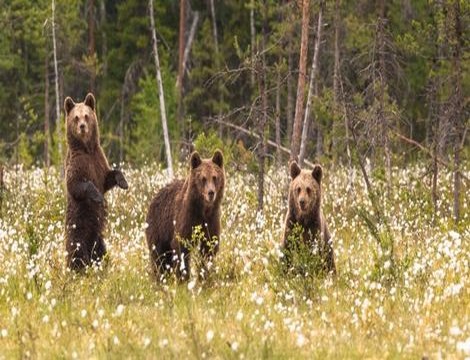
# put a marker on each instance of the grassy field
(402, 289)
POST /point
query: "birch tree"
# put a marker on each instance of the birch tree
(160, 91)
(57, 95)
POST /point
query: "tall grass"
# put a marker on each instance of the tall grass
(249, 306)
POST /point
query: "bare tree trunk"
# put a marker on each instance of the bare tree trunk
(104, 40)
(92, 43)
(57, 96)
(121, 130)
(381, 95)
(179, 81)
(336, 64)
(160, 92)
(278, 113)
(457, 105)
(189, 43)
(2, 189)
(47, 134)
(290, 97)
(313, 75)
(264, 110)
(296, 133)
(217, 62)
(253, 38)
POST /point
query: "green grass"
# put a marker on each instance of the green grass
(412, 303)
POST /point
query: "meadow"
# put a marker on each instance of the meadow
(402, 288)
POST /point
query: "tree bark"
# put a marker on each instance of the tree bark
(457, 105)
(160, 92)
(278, 113)
(104, 39)
(296, 133)
(253, 39)
(57, 95)
(313, 75)
(261, 73)
(92, 43)
(192, 32)
(47, 134)
(179, 81)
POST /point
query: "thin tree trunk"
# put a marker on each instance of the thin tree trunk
(179, 81)
(104, 39)
(336, 64)
(290, 92)
(253, 39)
(192, 32)
(264, 110)
(57, 95)
(313, 75)
(457, 106)
(160, 92)
(121, 130)
(2, 189)
(92, 43)
(297, 131)
(278, 113)
(217, 60)
(47, 135)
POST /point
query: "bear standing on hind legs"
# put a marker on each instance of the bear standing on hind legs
(178, 209)
(304, 210)
(88, 176)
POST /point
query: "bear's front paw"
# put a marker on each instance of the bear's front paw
(94, 194)
(121, 180)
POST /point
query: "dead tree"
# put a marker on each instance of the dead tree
(313, 75)
(161, 95)
(297, 130)
(57, 95)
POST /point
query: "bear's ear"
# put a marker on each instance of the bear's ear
(294, 169)
(317, 173)
(195, 160)
(68, 105)
(218, 158)
(90, 101)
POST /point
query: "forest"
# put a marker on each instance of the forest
(375, 91)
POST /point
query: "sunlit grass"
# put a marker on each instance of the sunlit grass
(248, 307)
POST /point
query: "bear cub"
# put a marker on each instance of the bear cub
(304, 210)
(88, 177)
(178, 209)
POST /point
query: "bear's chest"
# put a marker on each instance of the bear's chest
(92, 168)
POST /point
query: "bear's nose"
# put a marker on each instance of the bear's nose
(82, 126)
(302, 202)
(211, 194)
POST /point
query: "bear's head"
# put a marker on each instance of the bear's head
(305, 189)
(208, 178)
(82, 125)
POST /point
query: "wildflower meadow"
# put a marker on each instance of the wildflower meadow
(402, 289)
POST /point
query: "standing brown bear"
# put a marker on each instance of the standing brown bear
(88, 176)
(305, 211)
(178, 209)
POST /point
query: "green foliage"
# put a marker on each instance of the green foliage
(146, 134)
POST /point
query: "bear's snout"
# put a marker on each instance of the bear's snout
(82, 127)
(211, 195)
(302, 204)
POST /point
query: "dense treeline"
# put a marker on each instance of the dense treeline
(391, 78)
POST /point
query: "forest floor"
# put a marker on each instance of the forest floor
(402, 289)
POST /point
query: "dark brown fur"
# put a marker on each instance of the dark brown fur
(88, 177)
(305, 210)
(181, 206)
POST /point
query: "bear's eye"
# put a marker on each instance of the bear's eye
(204, 180)
(86, 117)
(309, 191)
(299, 190)
(214, 179)
(76, 118)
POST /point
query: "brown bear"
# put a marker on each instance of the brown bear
(305, 211)
(178, 209)
(88, 176)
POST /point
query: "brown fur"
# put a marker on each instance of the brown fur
(88, 176)
(305, 210)
(181, 206)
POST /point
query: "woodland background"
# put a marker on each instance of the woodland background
(383, 83)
